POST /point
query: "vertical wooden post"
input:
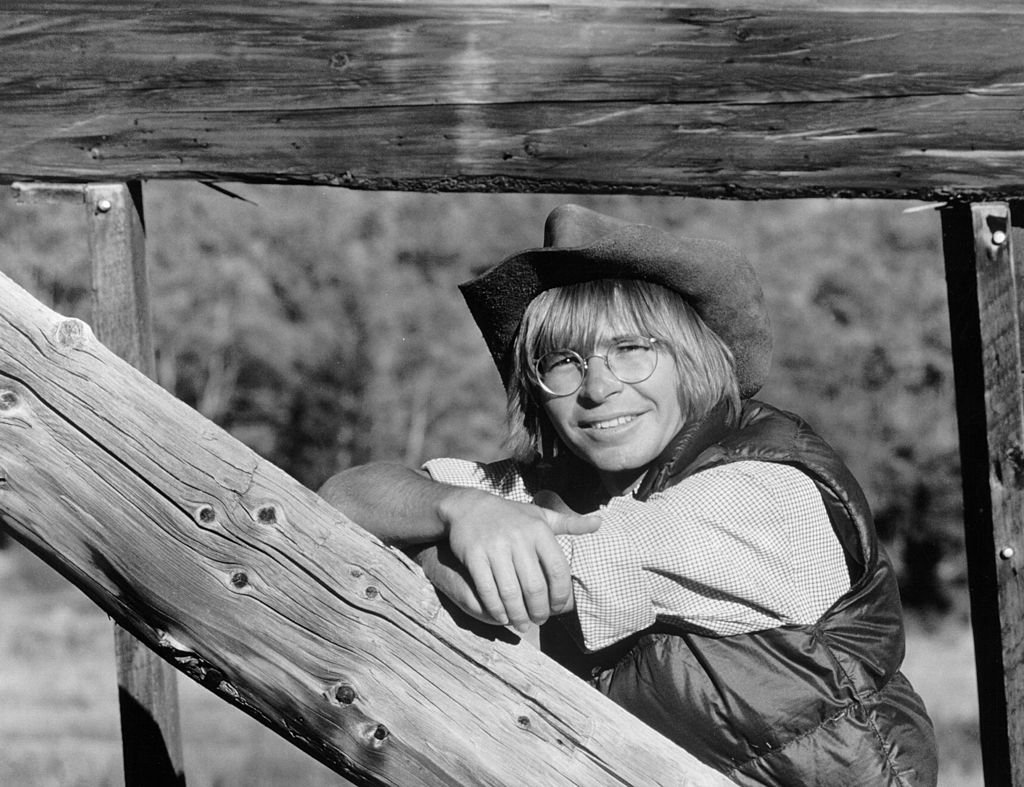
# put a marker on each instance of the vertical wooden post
(147, 687)
(984, 252)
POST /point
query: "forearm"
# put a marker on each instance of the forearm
(505, 548)
(398, 505)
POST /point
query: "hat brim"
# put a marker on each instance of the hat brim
(716, 279)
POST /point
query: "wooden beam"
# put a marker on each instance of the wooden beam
(147, 685)
(984, 251)
(701, 97)
(257, 588)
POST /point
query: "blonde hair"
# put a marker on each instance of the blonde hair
(578, 316)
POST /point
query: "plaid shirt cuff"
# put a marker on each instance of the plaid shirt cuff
(611, 588)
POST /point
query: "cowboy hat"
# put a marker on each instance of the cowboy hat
(583, 245)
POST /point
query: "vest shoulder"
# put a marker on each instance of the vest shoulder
(768, 433)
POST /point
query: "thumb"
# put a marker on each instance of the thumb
(552, 501)
(573, 524)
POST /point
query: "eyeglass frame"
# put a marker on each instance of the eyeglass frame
(585, 361)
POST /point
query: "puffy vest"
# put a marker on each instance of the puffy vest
(823, 704)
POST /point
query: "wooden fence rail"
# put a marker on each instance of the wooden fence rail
(711, 97)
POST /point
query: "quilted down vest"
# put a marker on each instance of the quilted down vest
(798, 705)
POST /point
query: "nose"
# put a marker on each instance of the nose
(598, 381)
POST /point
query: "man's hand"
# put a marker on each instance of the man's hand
(510, 552)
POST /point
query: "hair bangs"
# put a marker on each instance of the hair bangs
(581, 316)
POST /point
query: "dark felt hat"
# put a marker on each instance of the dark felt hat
(583, 245)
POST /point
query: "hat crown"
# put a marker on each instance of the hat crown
(571, 226)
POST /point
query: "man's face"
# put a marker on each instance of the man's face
(619, 428)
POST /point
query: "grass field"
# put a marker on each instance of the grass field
(58, 700)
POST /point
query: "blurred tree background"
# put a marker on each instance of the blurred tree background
(323, 328)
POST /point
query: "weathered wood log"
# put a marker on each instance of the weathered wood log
(255, 587)
(147, 688)
(702, 97)
(984, 252)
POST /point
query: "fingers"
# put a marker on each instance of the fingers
(558, 577)
(450, 578)
(573, 524)
(533, 585)
(512, 586)
(486, 586)
(552, 501)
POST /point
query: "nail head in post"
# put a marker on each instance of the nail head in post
(1006, 553)
(998, 238)
(104, 206)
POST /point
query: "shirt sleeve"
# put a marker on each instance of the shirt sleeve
(501, 478)
(742, 547)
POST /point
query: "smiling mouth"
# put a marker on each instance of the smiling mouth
(611, 423)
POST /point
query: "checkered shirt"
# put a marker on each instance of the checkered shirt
(741, 547)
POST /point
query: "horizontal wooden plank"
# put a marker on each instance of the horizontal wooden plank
(709, 97)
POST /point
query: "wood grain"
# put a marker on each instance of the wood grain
(984, 251)
(258, 589)
(712, 98)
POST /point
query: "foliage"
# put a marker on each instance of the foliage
(323, 327)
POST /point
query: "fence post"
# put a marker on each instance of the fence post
(147, 687)
(983, 245)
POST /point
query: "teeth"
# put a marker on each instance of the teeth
(623, 419)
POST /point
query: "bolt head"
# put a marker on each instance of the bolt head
(998, 238)
(1006, 553)
(104, 205)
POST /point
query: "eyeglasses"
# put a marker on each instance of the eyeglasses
(631, 360)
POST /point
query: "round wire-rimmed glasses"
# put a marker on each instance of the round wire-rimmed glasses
(631, 359)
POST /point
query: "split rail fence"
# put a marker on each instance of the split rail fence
(209, 556)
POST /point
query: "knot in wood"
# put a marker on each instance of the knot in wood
(71, 333)
(239, 579)
(1016, 456)
(381, 732)
(371, 591)
(345, 694)
(523, 722)
(8, 399)
(206, 515)
(266, 515)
